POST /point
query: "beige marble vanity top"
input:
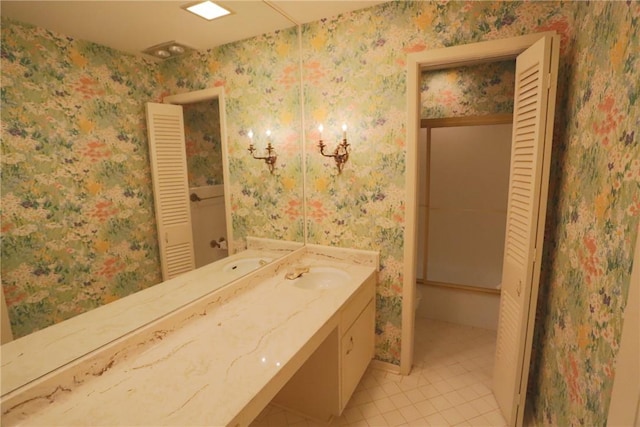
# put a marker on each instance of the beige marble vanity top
(219, 368)
(65, 342)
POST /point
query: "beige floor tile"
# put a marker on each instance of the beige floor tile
(450, 385)
(394, 418)
(410, 413)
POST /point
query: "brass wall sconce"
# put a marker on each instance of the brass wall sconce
(270, 158)
(341, 153)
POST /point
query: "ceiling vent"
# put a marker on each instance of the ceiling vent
(167, 50)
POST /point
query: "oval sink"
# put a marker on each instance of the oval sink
(322, 278)
(245, 265)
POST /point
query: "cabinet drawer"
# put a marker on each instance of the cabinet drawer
(356, 348)
(357, 304)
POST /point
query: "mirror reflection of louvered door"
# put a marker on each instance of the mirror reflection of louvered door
(536, 79)
(165, 128)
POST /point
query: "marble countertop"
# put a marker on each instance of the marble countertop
(67, 341)
(220, 368)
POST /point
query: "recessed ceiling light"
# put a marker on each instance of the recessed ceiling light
(208, 10)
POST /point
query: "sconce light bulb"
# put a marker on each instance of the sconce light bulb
(160, 53)
(268, 133)
(176, 49)
(344, 127)
(250, 134)
(320, 128)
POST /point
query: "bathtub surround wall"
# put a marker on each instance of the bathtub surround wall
(459, 92)
(468, 192)
(354, 72)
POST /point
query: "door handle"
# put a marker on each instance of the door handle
(350, 349)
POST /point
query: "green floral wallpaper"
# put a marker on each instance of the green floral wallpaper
(75, 188)
(354, 73)
(203, 143)
(262, 89)
(468, 91)
(594, 212)
(78, 227)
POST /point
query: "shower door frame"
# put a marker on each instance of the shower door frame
(447, 122)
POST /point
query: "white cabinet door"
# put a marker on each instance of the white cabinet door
(357, 347)
(536, 77)
(165, 126)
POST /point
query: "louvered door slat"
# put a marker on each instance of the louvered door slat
(171, 192)
(527, 197)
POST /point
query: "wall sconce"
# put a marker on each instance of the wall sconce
(341, 153)
(270, 158)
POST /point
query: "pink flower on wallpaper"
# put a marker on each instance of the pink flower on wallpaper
(610, 119)
(572, 376)
(316, 211)
(103, 210)
(95, 150)
(190, 146)
(290, 76)
(293, 209)
(12, 295)
(110, 267)
(634, 207)
(561, 26)
(447, 97)
(590, 262)
(416, 47)
(313, 72)
(87, 87)
(6, 226)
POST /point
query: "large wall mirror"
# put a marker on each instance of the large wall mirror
(79, 229)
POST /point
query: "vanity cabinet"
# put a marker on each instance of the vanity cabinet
(357, 333)
(323, 385)
(356, 351)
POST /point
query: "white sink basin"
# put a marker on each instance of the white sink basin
(322, 278)
(245, 265)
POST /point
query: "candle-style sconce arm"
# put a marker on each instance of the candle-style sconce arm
(269, 159)
(340, 154)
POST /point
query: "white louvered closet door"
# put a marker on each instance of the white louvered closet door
(165, 125)
(536, 77)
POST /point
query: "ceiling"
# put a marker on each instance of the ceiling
(133, 26)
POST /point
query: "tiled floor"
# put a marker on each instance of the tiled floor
(450, 385)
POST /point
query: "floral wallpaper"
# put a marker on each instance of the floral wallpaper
(203, 143)
(262, 89)
(468, 91)
(78, 227)
(354, 71)
(594, 212)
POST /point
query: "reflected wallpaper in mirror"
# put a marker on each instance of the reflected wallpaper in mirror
(203, 143)
(78, 227)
